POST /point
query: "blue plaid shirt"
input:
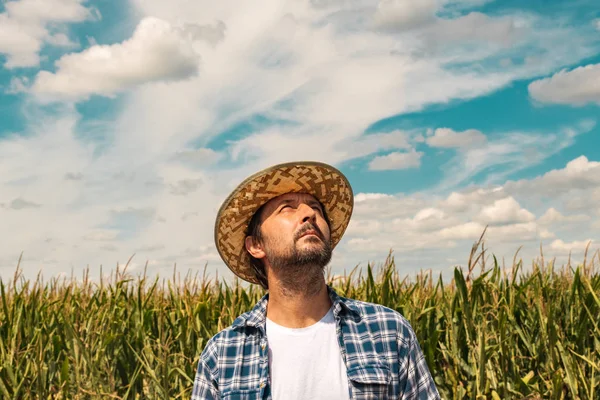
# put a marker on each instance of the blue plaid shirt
(383, 358)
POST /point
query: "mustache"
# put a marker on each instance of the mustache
(309, 227)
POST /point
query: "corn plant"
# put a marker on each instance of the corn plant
(490, 332)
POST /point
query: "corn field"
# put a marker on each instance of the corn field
(489, 333)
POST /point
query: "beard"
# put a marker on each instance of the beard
(300, 270)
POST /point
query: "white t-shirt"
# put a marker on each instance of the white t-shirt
(306, 363)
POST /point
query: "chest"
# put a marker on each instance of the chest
(306, 363)
(359, 364)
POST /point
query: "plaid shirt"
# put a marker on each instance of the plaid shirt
(383, 358)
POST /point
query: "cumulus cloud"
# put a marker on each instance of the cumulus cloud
(25, 25)
(466, 230)
(553, 216)
(155, 52)
(444, 226)
(505, 211)
(396, 160)
(561, 247)
(446, 137)
(578, 86)
(579, 173)
(461, 201)
(418, 224)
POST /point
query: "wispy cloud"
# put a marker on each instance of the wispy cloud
(26, 25)
(321, 74)
(513, 151)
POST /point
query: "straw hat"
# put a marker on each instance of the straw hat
(324, 182)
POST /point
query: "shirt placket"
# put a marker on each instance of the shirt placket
(264, 367)
(338, 329)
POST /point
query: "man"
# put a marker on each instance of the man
(302, 340)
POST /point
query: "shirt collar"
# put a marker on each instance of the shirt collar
(258, 315)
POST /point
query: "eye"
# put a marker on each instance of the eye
(317, 208)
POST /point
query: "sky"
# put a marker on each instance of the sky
(125, 124)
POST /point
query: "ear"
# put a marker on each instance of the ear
(254, 247)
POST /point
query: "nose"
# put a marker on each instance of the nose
(307, 213)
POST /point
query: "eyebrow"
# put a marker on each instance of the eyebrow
(310, 202)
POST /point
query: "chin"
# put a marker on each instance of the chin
(311, 244)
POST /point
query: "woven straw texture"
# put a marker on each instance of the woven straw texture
(323, 181)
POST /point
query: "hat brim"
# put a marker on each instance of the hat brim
(324, 182)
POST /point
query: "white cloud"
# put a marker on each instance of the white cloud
(512, 151)
(427, 220)
(61, 40)
(419, 17)
(25, 25)
(278, 145)
(431, 229)
(277, 81)
(579, 173)
(198, 158)
(577, 87)
(402, 15)
(468, 230)
(17, 85)
(184, 187)
(101, 235)
(396, 160)
(48, 10)
(578, 246)
(461, 201)
(155, 52)
(504, 211)
(446, 137)
(20, 203)
(475, 27)
(553, 216)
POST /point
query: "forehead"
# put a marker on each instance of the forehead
(293, 198)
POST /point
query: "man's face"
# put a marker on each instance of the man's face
(294, 232)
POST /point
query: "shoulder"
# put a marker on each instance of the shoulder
(382, 317)
(232, 335)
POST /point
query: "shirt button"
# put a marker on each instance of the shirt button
(263, 346)
(262, 385)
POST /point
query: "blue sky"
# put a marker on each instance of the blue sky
(124, 125)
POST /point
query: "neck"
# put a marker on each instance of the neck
(299, 305)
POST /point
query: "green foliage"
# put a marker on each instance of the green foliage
(504, 334)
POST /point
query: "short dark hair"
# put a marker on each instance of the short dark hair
(256, 233)
(254, 230)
